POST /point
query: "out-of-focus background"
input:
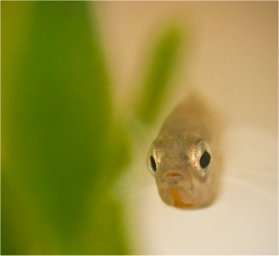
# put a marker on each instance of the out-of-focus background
(85, 87)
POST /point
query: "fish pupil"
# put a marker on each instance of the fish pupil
(205, 159)
(153, 163)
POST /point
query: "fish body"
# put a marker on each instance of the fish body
(185, 157)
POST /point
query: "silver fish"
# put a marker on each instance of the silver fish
(185, 157)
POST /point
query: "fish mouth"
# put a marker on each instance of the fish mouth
(176, 189)
(177, 196)
(178, 199)
(174, 174)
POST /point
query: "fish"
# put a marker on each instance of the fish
(186, 156)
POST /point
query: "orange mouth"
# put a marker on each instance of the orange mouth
(178, 202)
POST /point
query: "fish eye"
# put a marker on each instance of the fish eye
(152, 160)
(152, 164)
(205, 159)
(201, 158)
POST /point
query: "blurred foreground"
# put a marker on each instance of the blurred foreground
(63, 145)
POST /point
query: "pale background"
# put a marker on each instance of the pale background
(232, 58)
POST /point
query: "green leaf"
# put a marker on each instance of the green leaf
(56, 112)
(157, 79)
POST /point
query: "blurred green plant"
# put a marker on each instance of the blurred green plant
(63, 146)
(156, 81)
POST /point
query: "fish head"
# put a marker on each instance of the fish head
(181, 166)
